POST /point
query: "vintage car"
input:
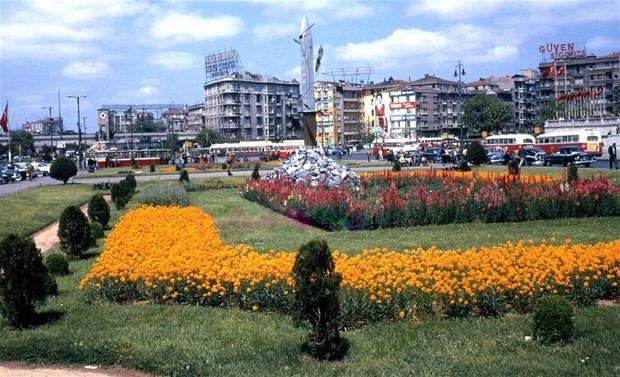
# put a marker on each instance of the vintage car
(534, 155)
(569, 156)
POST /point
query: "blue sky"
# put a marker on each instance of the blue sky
(140, 52)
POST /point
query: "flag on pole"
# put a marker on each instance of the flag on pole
(561, 70)
(548, 72)
(4, 121)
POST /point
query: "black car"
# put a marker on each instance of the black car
(432, 154)
(569, 156)
(534, 156)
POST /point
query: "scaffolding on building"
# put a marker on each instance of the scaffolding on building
(353, 75)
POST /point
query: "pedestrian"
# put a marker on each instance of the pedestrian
(368, 154)
(613, 156)
(521, 156)
(380, 154)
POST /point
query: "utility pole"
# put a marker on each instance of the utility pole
(51, 128)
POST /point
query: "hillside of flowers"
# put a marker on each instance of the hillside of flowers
(173, 255)
(427, 197)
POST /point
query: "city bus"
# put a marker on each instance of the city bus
(257, 149)
(511, 142)
(395, 145)
(114, 157)
(591, 141)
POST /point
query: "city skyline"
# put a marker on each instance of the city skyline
(141, 52)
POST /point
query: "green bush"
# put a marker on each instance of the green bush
(131, 182)
(184, 176)
(163, 194)
(513, 167)
(553, 320)
(224, 166)
(476, 154)
(62, 169)
(95, 232)
(57, 264)
(396, 167)
(73, 232)
(572, 174)
(121, 194)
(22, 280)
(255, 172)
(152, 168)
(99, 210)
(50, 286)
(463, 166)
(317, 291)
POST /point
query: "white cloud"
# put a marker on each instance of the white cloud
(603, 43)
(147, 91)
(274, 30)
(454, 9)
(181, 28)
(85, 70)
(322, 11)
(173, 61)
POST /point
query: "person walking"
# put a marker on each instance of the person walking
(613, 156)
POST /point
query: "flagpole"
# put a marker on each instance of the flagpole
(8, 133)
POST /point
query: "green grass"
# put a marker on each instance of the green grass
(185, 341)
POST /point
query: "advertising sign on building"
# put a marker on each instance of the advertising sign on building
(561, 50)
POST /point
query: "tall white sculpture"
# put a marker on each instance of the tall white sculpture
(307, 66)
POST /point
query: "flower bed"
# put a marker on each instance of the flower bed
(436, 197)
(173, 255)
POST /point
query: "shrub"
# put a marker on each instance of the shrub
(73, 232)
(463, 166)
(57, 264)
(572, 174)
(99, 210)
(62, 169)
(49, 285)
(476, 154)
(164, 194)
(255, 172)
(513, 167)
(95, 232)
(131, 182)
(224, 166)
(553, 320)
(121, 194)
(317, 291)
(396, 167)
(184, 176)
(22, 281)
(152, 168)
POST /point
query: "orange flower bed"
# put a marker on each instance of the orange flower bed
(174, 255)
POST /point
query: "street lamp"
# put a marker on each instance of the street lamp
(78, 125)
(51, 129)
(459, 71)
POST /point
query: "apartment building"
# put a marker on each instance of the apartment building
(338, 106)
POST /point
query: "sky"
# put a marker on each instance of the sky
(151, 52)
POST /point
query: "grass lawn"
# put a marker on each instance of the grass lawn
(187, 341)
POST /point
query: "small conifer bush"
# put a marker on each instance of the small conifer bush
(476, 154)
(513, 167)
(184, 176)
(463, 166)
(163, 194)
(224, 166)
(74, 232)
(572, 173)
(256, 173)
(152, 168)
(62, 169)
(396, 167)
(57, 264)
(553, 320)
(96, 232)
(121, 194)
(317, 291)
(131, 182)
(99, 210)
(23, 279)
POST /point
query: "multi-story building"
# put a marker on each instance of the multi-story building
(338, 112)
(196, 117)
(252, 107)
(580, 85)
(438, 107)
(388, 109)
(42, 127)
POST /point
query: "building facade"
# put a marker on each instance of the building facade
(580, 86)
(196, 117)
(253, 107)
(338, 116)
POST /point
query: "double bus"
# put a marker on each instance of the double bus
(511, 142)
(591, 141)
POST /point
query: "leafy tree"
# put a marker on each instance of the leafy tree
(365, 132)
(22, 140)
(206, 137)
(486, 113)
(551, 110)
(22, 280)
(62, 169)
(615, 93)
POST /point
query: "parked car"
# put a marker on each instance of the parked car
(494, 155)
(43, 167)
(534, 155)
(9, 173)
(569, 156)
(432, 154)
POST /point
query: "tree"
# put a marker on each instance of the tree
(22, 279)
(551, 110)
(475, 153)
(615, 93)
(62, 169)
(73, 232)
(99, 210)
(365, 133)
(486, 113)
(206, 137)
(22, 140)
